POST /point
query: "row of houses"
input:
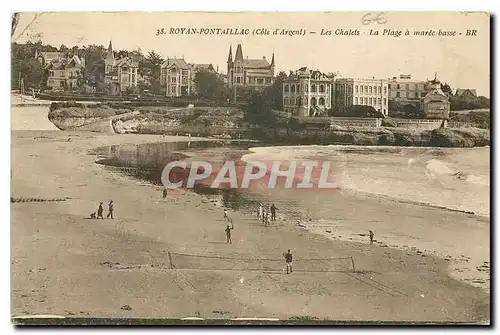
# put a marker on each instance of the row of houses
(121, 74)
(305, 91)
(308, 92)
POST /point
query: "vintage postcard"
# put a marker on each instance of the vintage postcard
(250, 168)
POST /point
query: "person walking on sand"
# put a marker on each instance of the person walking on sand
(110, 209)
(371, 237)
(266, 218)
(228, 233)
(164, 193)
(273, 212)
(260, 213)
(288, 259)
(225, 216)
(100, 210)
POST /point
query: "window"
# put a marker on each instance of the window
(306, 88)
(379, 90)
(398, 95)
(370, 89)
(356, 88)
(321, 89)
(321, 101)
(385, 89)
(389, 86)
(313, 89)
(251, 80)
(371, 101)
(292, 88)
(268, 80)
(286, 101)
(238, 80)
(399, 87)
(379, 101)
(385, 101)
(356, 100)
(366, 89)
(313, 101)
(260, 81)
(286, 88)
(407, 87)
(173, 79)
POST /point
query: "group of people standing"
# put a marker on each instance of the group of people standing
(267, 214)
(100, 211)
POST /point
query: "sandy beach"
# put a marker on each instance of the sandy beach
(66, 264)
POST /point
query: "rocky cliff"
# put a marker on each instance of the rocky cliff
(228, 121)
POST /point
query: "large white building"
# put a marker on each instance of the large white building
(307, 92)
(367, 92)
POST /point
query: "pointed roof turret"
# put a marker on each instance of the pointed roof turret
(239, 53)
(110, 57)
(272, 60)
(230, 56)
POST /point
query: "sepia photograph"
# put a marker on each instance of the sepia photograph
(250, 168)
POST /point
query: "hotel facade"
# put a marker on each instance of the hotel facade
(367, 92)
(308, 92)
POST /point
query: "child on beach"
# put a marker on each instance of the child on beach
(371, 237)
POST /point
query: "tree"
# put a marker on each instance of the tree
(360, 111)
(465, 102)
(412, 112)
(94, 65)
(209, 85)
(25, 66)
(150, 68)
(64, 50)
(274, 93)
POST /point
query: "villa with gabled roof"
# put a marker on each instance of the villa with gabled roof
(257, 73)
(175, 77)
(121, 73)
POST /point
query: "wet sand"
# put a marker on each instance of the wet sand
(66, 264)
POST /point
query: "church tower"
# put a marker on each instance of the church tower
(230, 66)
(272, 64)
(238, 67)
(110, 59)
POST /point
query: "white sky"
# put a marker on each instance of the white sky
(463, 62)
